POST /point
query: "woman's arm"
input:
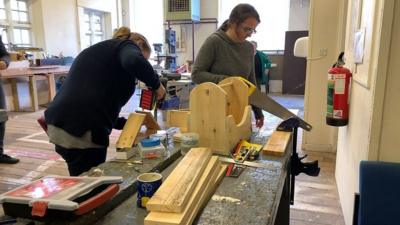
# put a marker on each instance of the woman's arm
(133, 61)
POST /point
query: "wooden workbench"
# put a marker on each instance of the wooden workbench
(32, 73)
(258, 196)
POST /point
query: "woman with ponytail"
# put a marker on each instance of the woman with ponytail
(100, 82)
(227, 53)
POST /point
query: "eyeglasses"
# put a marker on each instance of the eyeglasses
(249, 30)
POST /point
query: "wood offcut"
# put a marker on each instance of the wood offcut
(277, 143)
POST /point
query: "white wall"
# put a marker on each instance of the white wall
(389, 138)
(325, 27)
(52, 16)
(298, 14)
(371, 133)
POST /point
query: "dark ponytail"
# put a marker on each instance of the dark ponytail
(240, 13)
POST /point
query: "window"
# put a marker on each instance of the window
(93, 27)
(15, 27)
(274, 16)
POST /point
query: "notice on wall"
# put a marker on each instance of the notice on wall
(359, 38)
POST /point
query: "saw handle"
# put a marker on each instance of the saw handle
(252, 87)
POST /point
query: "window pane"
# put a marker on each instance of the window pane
(86, 27)
(96, 18)
(97, 27)
(23, 16)
(3, 14)
(86, 17)
(25, 36)
(97, 38)
(22, 6)
(86, 41)
(14, 4)
(269, 11)
(2, 4)
(17, 36)
(4, 35)
(15, 15)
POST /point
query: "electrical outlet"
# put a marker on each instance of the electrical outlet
(323, 52)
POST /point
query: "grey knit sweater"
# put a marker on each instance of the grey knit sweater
(219, 57)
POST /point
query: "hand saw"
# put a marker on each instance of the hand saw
(263, 101)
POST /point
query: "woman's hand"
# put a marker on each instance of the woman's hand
(160, 92)
(260, 122)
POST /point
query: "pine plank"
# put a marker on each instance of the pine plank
(206, 181)
(207, 194)
(131, 129)
(174, 193)
(277, 143)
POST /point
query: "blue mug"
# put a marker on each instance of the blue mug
(147, 185)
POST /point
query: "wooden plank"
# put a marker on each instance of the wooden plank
(277, 143)
(207, 194)
(178, 118)
(150, 122)
(207, 180)
(175, 192)
(130, 131)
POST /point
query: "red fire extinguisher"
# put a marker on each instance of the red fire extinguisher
(339, 77)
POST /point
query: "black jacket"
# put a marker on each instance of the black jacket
(100, 82)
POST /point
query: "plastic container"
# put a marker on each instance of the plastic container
(189, 140)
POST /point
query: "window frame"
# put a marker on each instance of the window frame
(91, 32)
(9, 25)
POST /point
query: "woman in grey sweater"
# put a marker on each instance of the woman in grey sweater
(227, 53)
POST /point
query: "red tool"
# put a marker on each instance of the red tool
(147, 99)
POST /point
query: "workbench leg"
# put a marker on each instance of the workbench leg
(14, 90)
(51, 86)
(33, 93)
(283, 214)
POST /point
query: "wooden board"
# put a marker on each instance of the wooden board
(207, 194)
(206, 182)
(150, 122)
(131, 130)
(178, 118)
(175, 192)
(277, 143)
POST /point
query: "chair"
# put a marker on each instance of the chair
(379, 199)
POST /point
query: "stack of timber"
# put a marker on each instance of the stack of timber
(186, 190)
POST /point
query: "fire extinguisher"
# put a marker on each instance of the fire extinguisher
(337, 113)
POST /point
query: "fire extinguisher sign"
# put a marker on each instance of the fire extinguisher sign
(331, 91)
(336, 86)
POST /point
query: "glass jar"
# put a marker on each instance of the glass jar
(189, 140)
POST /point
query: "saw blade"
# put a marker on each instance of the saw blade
(263, 101)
